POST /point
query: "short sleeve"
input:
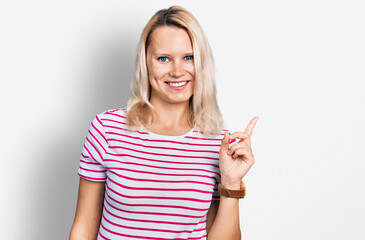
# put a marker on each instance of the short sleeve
(216, 195)
(91, 166)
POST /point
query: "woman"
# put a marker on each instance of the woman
(151, 170)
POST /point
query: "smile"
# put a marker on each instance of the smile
(177, 86)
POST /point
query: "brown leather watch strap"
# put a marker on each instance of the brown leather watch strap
(232, 193)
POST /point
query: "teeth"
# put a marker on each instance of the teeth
(177, 84)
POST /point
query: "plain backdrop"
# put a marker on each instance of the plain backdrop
(298, 65)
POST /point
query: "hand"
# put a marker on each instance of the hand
(235, 162)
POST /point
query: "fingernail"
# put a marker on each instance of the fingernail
(229, 152)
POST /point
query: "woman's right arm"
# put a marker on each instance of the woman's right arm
(88, 211)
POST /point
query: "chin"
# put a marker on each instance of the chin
(176, 101)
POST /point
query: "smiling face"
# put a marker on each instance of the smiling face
(170, 66)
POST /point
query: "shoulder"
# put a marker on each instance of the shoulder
(213, 138)
(206, 136)
(112, 111)
(113, 114)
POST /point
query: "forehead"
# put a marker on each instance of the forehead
(170, 39)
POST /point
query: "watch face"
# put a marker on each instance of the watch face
(232, 193)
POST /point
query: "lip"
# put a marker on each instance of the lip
(177, 81)
(178, 88)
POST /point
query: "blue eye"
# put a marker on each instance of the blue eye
(162, 59)
(189, 58)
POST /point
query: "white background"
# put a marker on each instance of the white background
(298, 65)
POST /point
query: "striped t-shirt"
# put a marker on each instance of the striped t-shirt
(156, 186)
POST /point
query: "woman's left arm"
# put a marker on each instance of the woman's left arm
(234, 163)
(225, 221)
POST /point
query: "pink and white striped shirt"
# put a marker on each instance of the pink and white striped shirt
(157, 186)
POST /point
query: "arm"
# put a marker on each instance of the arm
(212, 212)
(234, 162)
(88, 211)
(223, 218)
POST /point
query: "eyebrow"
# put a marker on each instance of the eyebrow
(167, 54)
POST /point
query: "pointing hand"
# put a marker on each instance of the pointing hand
(235, 162)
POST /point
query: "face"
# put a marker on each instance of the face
(170, 65)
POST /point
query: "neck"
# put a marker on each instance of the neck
(169, 115)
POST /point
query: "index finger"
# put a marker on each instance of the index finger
(251, 125)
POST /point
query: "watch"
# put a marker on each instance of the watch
(232, 193)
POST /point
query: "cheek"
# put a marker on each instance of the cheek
(157, 71)
(191, 69)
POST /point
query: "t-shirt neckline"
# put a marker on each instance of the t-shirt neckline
(155, 135)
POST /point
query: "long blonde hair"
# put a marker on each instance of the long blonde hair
(205, 115)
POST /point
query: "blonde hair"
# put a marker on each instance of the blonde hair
(205, 115)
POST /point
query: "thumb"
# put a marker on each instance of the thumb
(225, 142)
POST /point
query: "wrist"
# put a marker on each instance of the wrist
(231, 190)
(231, 185)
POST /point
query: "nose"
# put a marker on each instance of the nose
(177, 70)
